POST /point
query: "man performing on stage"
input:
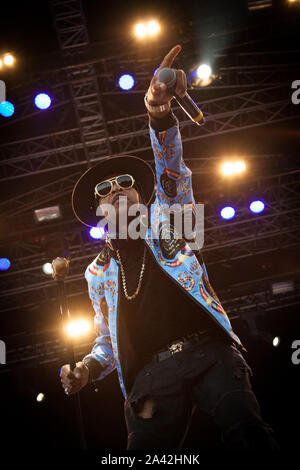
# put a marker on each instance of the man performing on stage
(158, 319)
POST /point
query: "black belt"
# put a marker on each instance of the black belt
(179, 345)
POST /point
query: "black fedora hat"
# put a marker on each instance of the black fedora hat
(83, 197)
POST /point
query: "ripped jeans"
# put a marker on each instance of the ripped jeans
(212, 375)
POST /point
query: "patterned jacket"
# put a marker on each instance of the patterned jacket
(174, 256)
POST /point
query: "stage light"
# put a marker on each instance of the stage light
(227, 212)
(4, 264)
(97, 232)
(233, 168)
(76, 328)
(126, 82)
(202, 75)
(47, 213)
(47, 269)
(8, 60)
(6, 109)
(40, 397)
(256, 206)
(227, 169)
(204, 71)
(42, 101)
(143, 30)
(140, 30)
(259, 4)
(153, 28)
(239, 166)
(1, 63)
(268, 338)
(282, 287)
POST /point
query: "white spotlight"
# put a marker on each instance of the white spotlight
(239, 166)
(227, 168)
(47, 269)
(204, 71)
(8, 59)
(233, 167)
(153, 28)
(140, 30)
(77, 328)
(276, 341)
(40, 397)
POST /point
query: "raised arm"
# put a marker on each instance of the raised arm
(174, 178)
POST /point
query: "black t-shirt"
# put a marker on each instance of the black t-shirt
(160, 314)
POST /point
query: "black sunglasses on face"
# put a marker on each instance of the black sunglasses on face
(104, 188)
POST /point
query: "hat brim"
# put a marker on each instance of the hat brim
(83, 193)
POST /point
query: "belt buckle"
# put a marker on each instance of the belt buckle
(176, 347)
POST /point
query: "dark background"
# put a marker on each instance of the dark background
(27, 30)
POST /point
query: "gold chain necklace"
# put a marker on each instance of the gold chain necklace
(130, 297)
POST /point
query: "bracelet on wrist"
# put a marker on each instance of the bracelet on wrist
(160, 108)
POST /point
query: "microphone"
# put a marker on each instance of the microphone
(168, 76)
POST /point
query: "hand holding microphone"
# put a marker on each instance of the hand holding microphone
(169, 78)
(73, 381)
(167, 84)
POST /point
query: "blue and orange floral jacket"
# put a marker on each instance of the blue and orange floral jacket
(184, 266)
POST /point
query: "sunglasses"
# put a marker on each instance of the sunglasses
(104, 188)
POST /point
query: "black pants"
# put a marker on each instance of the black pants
(212, 375)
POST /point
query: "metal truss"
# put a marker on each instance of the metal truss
(226, 77)
(95, 136)
(89, 85)
(223, 115)
(280, 191)
(28, 201)
(277, 228)
(17, 290)
(239, 70)
(73, 39)
(251, 67)
(130, 134)
(245, 301)
(42, 352)
(23, 204)
(256, 297)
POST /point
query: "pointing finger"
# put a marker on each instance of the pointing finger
(169, 58)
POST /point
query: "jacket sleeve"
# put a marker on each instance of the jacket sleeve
(102, 350)
(173, 177)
